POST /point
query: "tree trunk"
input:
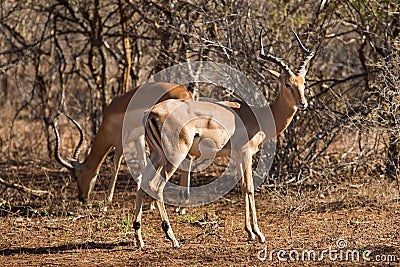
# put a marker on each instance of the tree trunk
(127, 47)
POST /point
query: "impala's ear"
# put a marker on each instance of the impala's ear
(274, 74)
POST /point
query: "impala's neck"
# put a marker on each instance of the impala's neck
(97, 153)
(283, 113)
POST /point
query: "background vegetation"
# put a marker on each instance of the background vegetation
(336, 171)
(75, 56)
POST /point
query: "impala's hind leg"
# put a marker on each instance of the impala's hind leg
(140, 145)
(149, 172)
(168, 170)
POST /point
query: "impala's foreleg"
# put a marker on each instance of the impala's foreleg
(140, 145)
(248, 185)
(117, 165)
(137, 224)
(184, 182)
(247, 225)
(251, 204)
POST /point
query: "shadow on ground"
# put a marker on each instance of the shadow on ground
(68, 247)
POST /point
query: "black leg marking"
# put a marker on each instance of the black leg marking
(165, 227)
(136, 225)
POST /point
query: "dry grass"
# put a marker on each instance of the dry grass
(59, 231)
(314, 214)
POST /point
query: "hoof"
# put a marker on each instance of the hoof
(139, 242)
(251, 237)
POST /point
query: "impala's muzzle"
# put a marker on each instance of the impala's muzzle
(82, 199)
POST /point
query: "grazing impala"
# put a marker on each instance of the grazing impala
(110, 135)
(205, 128)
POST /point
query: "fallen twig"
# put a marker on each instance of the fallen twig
(25, 189)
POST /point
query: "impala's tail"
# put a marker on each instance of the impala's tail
(152, 179)
(153, 133)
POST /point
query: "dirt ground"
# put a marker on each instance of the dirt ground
(335, 223)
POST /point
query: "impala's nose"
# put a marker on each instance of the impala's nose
(302, 105)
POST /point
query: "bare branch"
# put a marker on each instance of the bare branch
(22, 188)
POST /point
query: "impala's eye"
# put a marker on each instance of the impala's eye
(288, 85)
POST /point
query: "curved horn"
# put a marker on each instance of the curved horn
(57, 156)
(273, 59)
(78, 147)
(309, 55)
